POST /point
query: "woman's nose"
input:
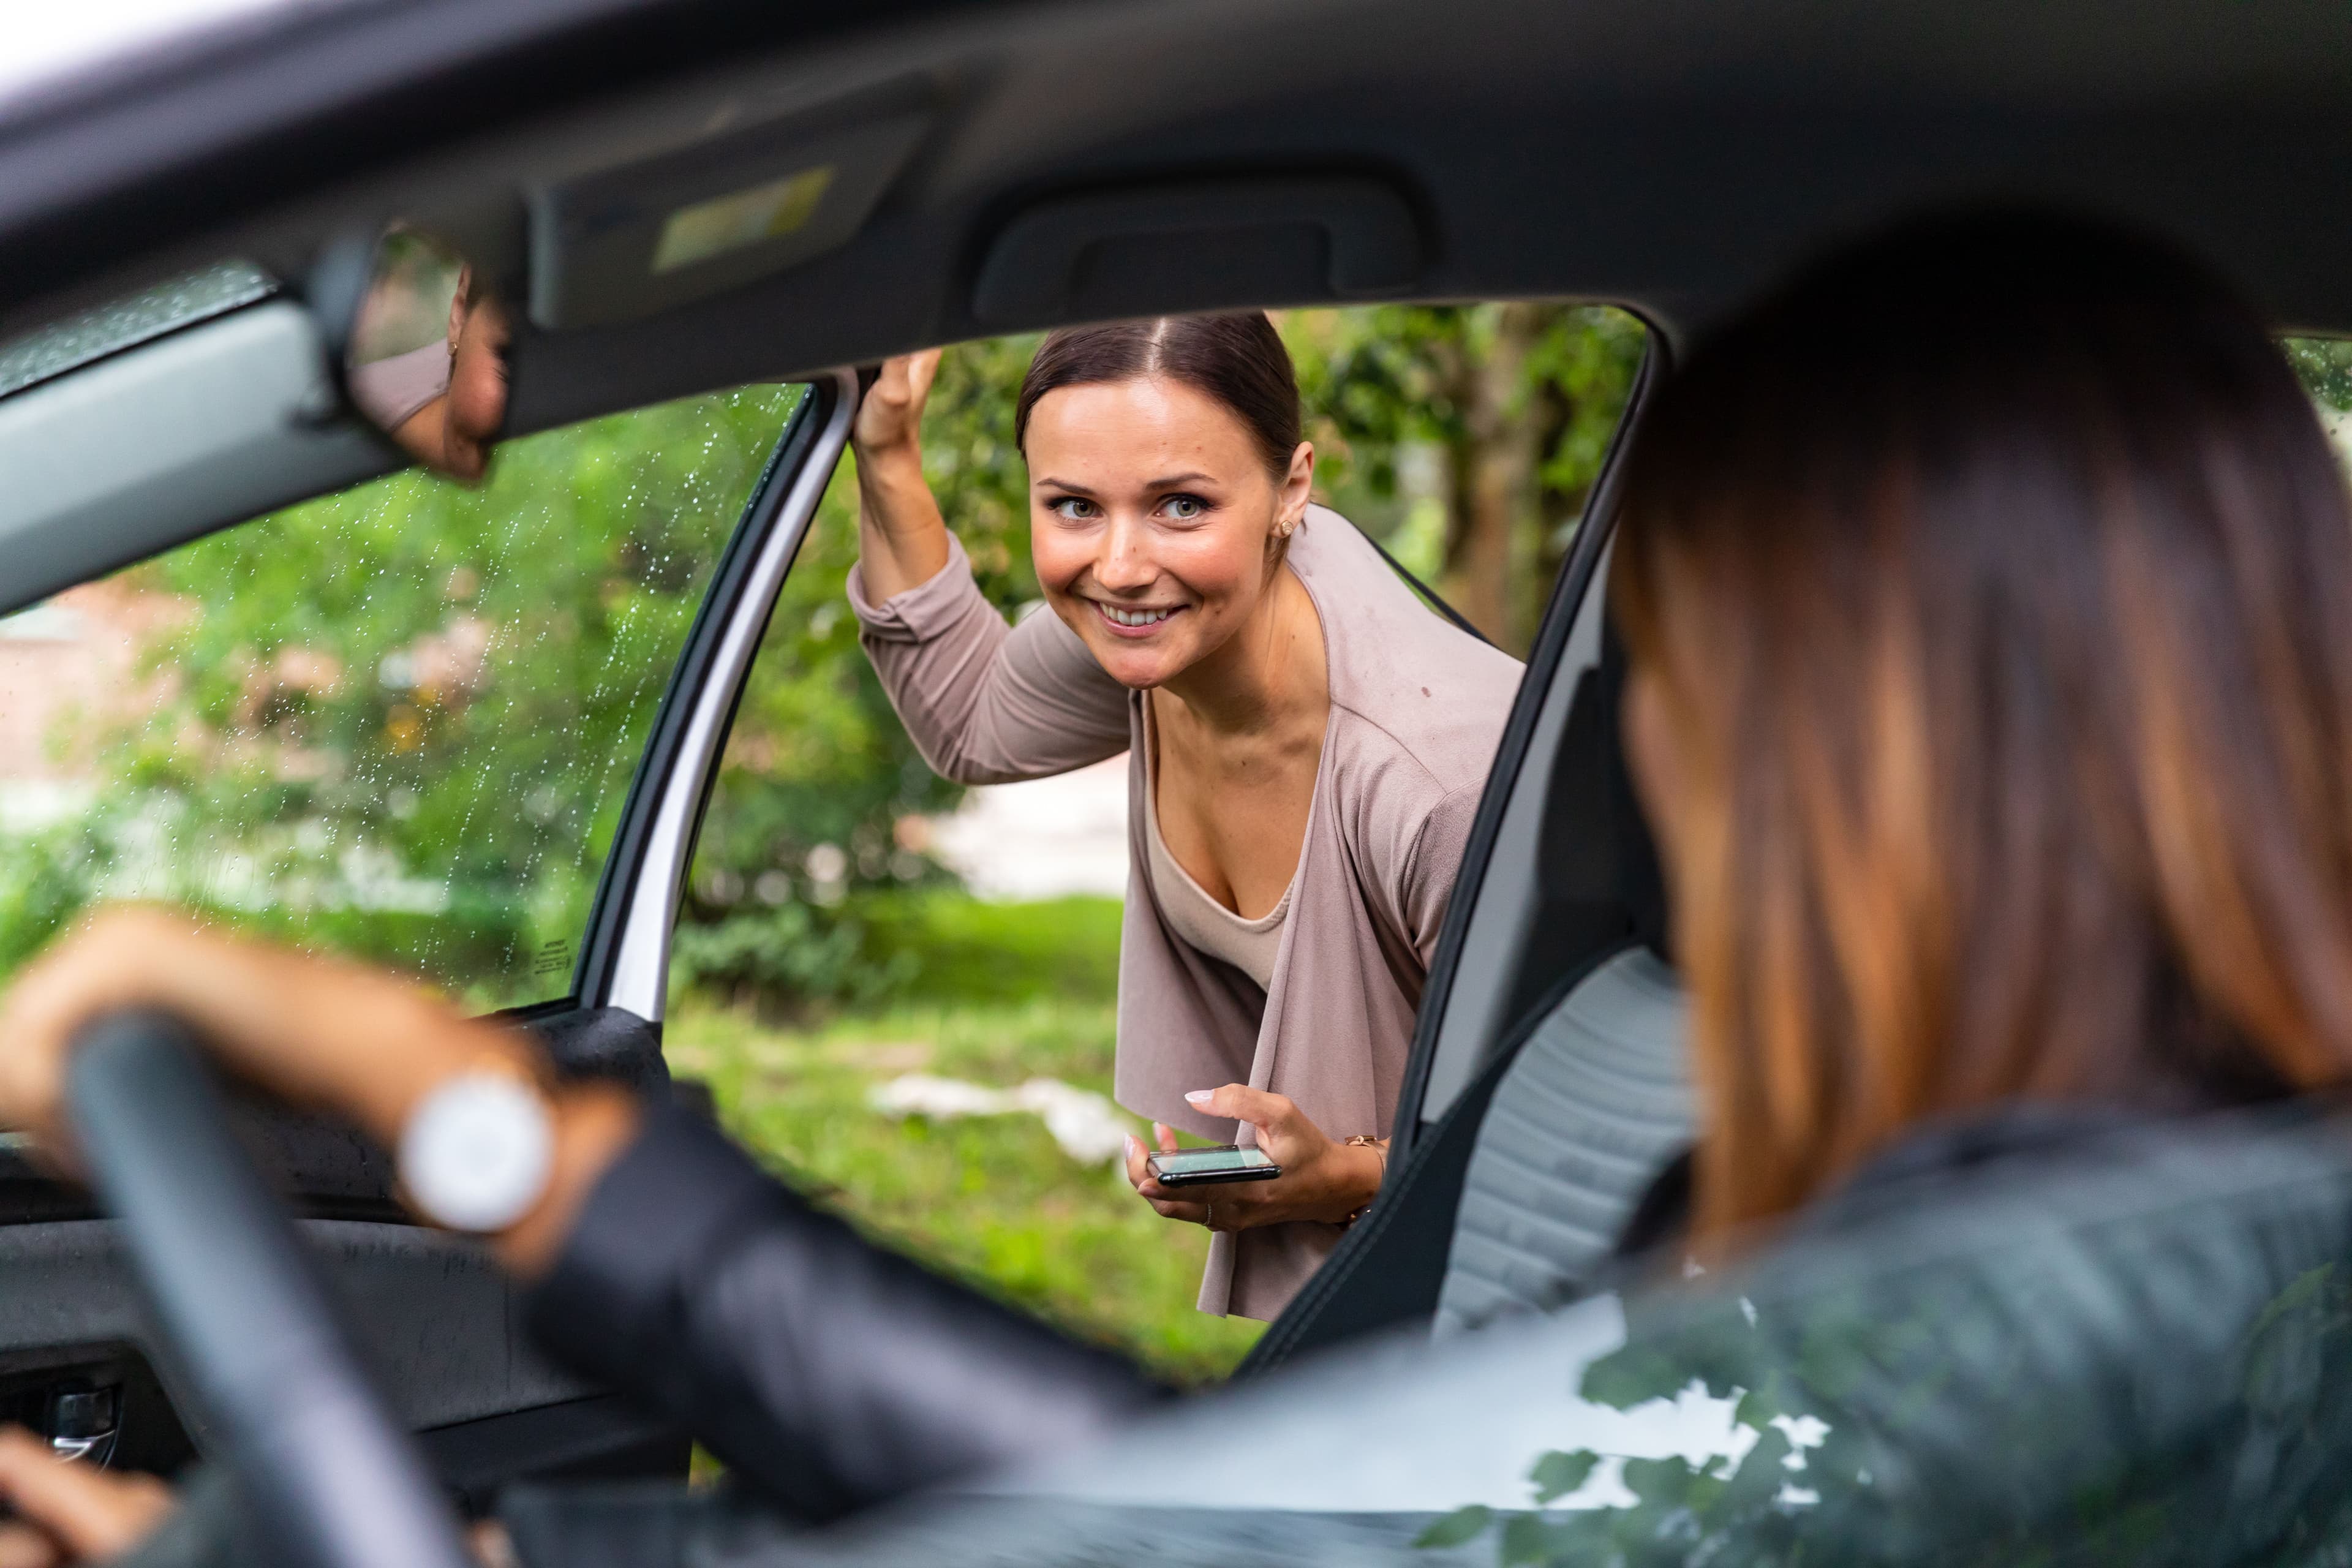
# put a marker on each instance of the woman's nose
(1123, 564)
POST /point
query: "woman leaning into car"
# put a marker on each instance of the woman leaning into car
(1307, 745)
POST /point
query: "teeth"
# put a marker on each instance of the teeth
(1136, 617)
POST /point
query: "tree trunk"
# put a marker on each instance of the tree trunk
(1490, 537)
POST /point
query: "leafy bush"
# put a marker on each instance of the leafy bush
(400, 722)
(935, 945)
(793, 954)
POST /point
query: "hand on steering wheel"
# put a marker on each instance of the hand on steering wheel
(67, 1511)
(101, 1043)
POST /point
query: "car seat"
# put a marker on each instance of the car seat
(1596, 1103)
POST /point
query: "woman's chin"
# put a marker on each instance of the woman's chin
(1137, 668)
(1139, 674)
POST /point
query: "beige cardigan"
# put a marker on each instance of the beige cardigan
(1417, 707)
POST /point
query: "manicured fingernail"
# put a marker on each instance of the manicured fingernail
(1202, 1096)
(1131, 1144)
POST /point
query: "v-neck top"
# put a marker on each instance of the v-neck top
(1193, 914)
(1417, 709)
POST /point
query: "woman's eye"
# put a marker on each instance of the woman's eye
(1075, 509)
(1185, 509)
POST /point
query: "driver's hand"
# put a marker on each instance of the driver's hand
(314, 1032)
(68, 1511)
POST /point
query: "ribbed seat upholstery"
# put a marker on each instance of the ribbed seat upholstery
(1596, 1104)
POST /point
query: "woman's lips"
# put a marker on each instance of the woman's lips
(1141, 621)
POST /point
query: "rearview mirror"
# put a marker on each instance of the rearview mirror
(425, 355)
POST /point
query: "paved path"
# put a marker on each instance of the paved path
(1042, 838)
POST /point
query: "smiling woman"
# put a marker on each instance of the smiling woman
(1308, 744)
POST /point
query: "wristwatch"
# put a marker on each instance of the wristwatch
(477, 1150)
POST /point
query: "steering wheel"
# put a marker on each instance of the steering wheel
(323, 1470)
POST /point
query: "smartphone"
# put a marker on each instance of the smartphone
(1199, 1168)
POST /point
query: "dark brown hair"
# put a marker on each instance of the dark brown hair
(1239, 360)
(1999, 578)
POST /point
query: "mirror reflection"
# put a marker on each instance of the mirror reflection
(428, 356)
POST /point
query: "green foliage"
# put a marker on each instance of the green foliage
(992, 1199)
(933, 945)
(1557, 1474)
(400, 721)
(819, 774)
(44, 879)
(1933, 1431)
(1532, 391)
(1462, 1525)
(796, 951)
(1002, 953)
(2324, 365)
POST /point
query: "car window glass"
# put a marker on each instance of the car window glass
(2324, 365)
(397, 723)
(127, 322)
(905, 991)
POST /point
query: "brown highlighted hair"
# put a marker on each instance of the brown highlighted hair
(1999, 579)
(1238, 359)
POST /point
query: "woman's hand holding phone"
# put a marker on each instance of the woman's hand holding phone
(1321, 1179)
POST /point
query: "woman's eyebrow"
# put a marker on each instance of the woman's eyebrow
(1169, 482)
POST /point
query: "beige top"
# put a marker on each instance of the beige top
(1417, 707)
(1193, 913)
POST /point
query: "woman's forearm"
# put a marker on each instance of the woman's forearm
(902, 540)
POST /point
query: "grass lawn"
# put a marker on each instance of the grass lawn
(1006, 993)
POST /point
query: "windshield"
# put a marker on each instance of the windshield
(127, 322)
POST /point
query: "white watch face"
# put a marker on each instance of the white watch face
(477, 1152)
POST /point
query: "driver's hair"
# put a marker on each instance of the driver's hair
(1997, 576)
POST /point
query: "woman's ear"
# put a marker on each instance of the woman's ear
(1297, 490)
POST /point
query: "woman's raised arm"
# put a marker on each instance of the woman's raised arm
(985, 703)
(902, 540)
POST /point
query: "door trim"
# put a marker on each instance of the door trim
(1437, 1026)
(625, 957)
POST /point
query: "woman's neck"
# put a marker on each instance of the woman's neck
(1270, 673)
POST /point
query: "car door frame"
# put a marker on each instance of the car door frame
(623, 958)
(1387, 1268)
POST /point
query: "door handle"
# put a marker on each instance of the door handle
(83, 1423)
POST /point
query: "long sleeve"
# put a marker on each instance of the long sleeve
(985, 702)
(828, 1374)
(1426, 886)
(392, 391)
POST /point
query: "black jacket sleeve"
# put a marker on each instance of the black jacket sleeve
(828, 1373)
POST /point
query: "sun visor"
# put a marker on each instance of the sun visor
(622, 244)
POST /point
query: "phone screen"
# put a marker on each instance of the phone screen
(1207, 1162)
